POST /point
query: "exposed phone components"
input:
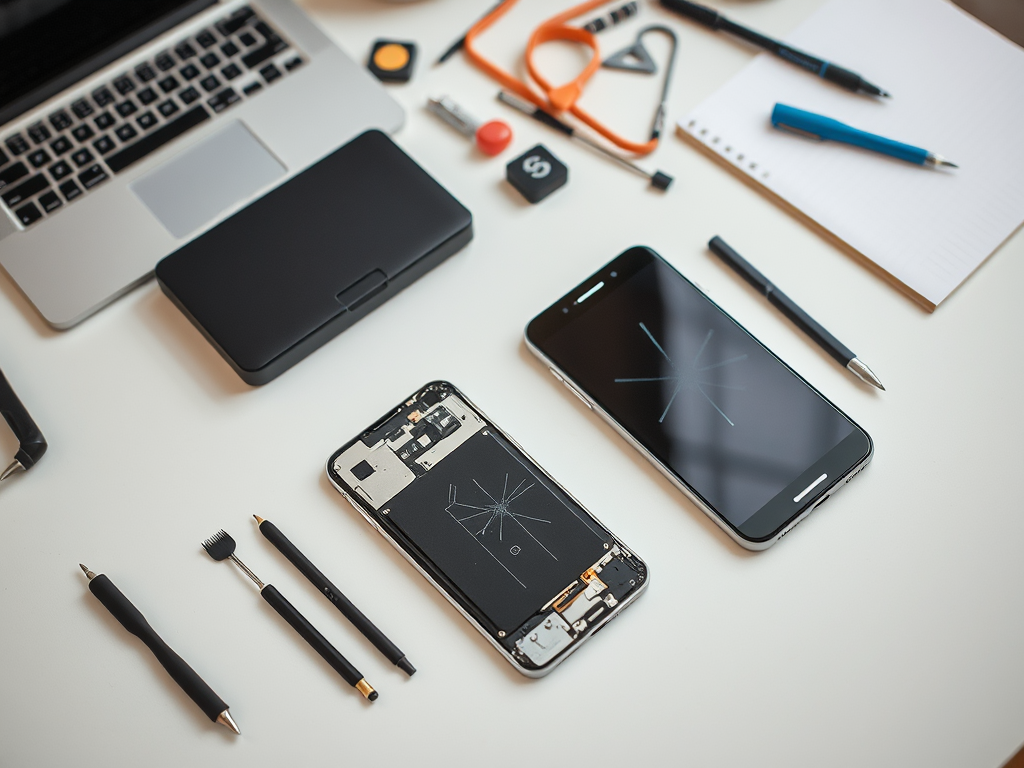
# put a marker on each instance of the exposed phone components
(507, 545)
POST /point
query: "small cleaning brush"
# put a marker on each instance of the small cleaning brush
(222, 547)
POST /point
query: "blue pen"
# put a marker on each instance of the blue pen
(819, 127)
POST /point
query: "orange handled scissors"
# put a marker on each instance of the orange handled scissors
(562, 98)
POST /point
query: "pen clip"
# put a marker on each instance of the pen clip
(798, 132)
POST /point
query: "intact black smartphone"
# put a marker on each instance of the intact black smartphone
(736, 429)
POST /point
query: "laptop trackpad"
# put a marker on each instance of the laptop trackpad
(193, 188)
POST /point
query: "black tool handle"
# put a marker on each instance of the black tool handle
(711, 18)
(133, 620)
(380, 641)
(839, 351)
(310, 634)
(33, 444)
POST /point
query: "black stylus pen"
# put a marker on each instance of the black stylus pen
(380, 641)
(709, 17)
(839, 351)
(131, 618)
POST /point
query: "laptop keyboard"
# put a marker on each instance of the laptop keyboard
(69, 152)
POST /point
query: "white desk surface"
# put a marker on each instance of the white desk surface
(888, 630)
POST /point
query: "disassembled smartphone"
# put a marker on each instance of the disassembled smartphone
(752, 444)
(511, 549)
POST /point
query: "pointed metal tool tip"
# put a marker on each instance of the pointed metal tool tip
(84, 569)
(865, 374)
(885, 94)
(88, 574)
(949, 164)
(259, 520)
(225, 719)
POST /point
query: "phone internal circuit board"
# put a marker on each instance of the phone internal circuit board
(496, 534)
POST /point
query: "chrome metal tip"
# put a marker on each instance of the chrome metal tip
(14, 467)
(225, 719)
(89, 574)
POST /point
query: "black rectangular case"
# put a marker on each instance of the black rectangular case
(285, 275)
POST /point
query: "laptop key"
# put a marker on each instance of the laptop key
(153, 141)
(223, 100)
(169, 83)
(59, 170)
(82, 157)
(164, 61)
(229, 49)
(93, 176)
(12, 173)
(247, 39)
(82, 108)
(145, 72)
(28, 214)
(127, 133)
(189, 72)
(39, 133)
(147, 96)
(230, 72)
(25, 190)
(267, 50)
(61, 145)
(146, 121)
(39, 158)
(50, 201)
(270, 73)
(17, 144)
(168, 108)
(126, 108)
(60, 120)
(104, 120)
(70, 190)
(251, 88)
(124, 84)
(210, 60)
(206, 39)
(184, 51)
(102, 97)
(104, 144)
(83, 132)
(235, 21)
(293, 63)
(210, 83)
(189, 95)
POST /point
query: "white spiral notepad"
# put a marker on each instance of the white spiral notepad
(958, 91)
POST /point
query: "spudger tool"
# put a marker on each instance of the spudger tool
(131, 618)
(380, 641)
(32, 444)
(222, 547)
(658, 179)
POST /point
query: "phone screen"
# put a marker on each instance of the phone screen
(700, 393)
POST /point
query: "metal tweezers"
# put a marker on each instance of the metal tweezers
(33, 444)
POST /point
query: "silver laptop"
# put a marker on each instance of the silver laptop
(129, 128)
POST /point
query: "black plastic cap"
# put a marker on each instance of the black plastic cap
(537, 173)
(404, 665)
(661, 180)
(373, 696)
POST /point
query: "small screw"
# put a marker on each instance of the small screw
(605, 546)
(388, 510)
(501, 633)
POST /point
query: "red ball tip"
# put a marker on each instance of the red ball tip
(493, 137)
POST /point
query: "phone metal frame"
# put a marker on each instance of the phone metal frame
(821, 495)
(368, 514)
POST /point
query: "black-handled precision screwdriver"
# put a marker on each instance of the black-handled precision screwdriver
(32, 444)
(131, 618)
(222, 547)
(369, 630)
